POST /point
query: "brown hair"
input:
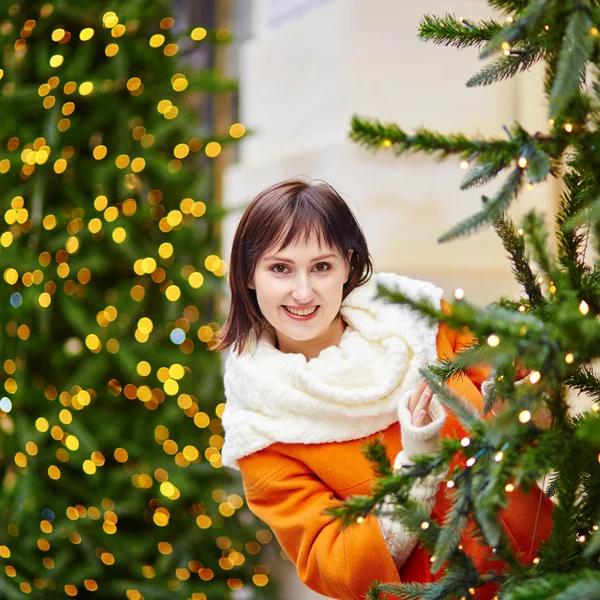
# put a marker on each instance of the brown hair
(297, 207)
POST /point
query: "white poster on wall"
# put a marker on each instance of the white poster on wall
(276, 13)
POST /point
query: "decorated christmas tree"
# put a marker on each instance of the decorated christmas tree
(550, 333)
(110, 432)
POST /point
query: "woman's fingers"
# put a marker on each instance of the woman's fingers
(416, 396)
(422, 419)
(421, 412)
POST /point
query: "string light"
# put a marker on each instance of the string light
(493, 340)
(459, 293)
(360, 520)
(523, 162)
(450, 484)
(499, 456)
(536, 561)
(534, 377)
(584, 308)
(568, 127)
(569, 358)
(464, 164)
(424, 525)
(471, 462)
(524, 416)
(509, 487)
(465, 442)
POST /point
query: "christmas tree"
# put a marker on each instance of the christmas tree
(110, 463)
(550, 333)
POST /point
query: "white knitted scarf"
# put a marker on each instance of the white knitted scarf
(348, 392)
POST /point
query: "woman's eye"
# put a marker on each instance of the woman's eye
(280, 269)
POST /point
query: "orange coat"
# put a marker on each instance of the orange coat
(289, 486)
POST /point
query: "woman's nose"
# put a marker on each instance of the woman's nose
(302, 292)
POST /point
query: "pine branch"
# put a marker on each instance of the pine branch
(585, 380)
(571, 242)
(374, 133)
(465, 413)
(482, 174)
(375, 452)
(530, 21)
(491, 210)
(575, 52)
(514, 244)
(446, 370)
(577, 585)
(509, 5)
(455, 583)
(455, 523)
(519, 60)
(537, 234)
(450, 31)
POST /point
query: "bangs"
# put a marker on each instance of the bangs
(297, 221)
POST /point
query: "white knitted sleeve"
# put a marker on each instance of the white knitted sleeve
(415, 440)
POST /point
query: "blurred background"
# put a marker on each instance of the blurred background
(132, 137)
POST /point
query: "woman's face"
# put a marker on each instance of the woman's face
(304, 277)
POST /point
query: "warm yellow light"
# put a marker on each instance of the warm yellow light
(111, 50)
(493, 340)
(157, 40)
(86, 88)
(100, 152)
(119, 235)
(568, 127)
(56, 60)
(569, 358)
(464, 164)
(534, 377)
(86, 34)
(524, 416)
(584, 307)
(196, 280)
(523, 162)
(212, 149)
(199, 33)
(237, 130)
(173, 293)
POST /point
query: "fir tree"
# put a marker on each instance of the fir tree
(110, 466)
(551, 330)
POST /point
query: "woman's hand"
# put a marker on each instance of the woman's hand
(418, 405)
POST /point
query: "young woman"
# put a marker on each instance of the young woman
(319, 366)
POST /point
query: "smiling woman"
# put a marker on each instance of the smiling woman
(320, 364)
(278, 263)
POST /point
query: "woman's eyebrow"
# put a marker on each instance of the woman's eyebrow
(289, 260)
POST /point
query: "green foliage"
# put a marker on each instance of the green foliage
(552, 329)
(109, 455)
